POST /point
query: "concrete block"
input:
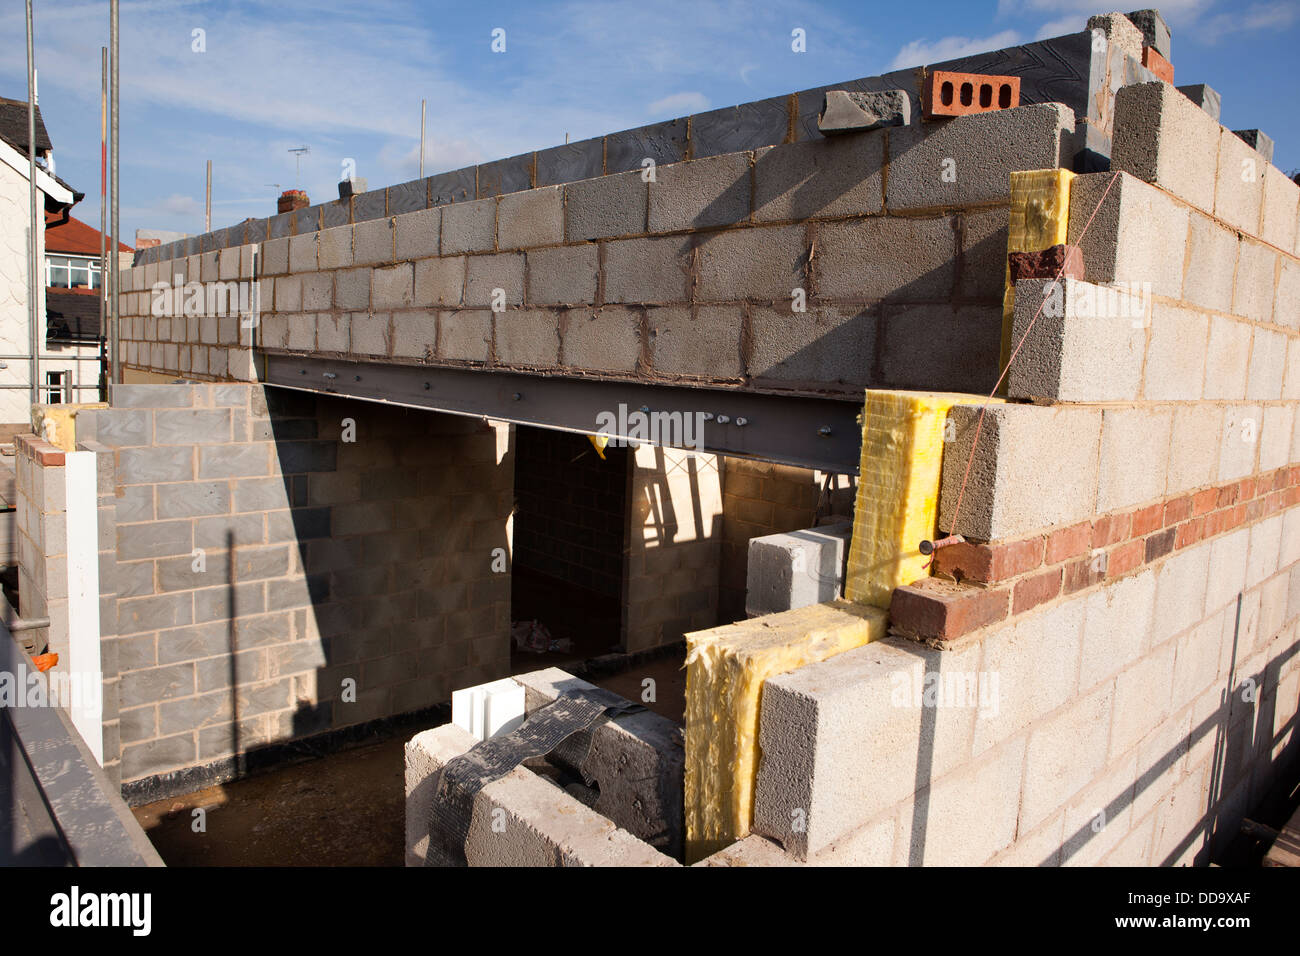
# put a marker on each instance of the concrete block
(1064, 754)
(1239, 188)
(1155, 32)
(838, 177)
(503, 176)
(369, 333)
(1117, 624)
(317, 289)
(970, 159)
(137, 466)
(1291, 380)
(469, 226)
(1257, 140)
(1034, 467)
(418, 234)
(650, 270)
(661, 142)
(544, 826)
(637, 761)
(1227, 358)
(939, 347)
(1134, 456)
(1265, 544)
(274, 258)
(571, 162)
(736, 128)
(352, 289)
(907, 260)
(1119, 32)
(529, 337)
(849, 111)
(334, 249)
(607, 339)
(1175, 369)
(415, 334)
(288, 294)
(533, 217)
(1256, 284)
(302, 332)
(565, 275)
(1211, 264)
(484, 275)
(825, 344)
(1281, 197)
(1181, 583)
(1239, 441)
(408, 197)
(369, 205)
(1286, 304)
(440, 281)
(983, 236)
(702, 344)
(373, 241)
(333, 332)
(602, 208)
(302, 253)
(700, 193)
(1204, 96)
(1267, 365)
(458, 185)
(1194, 447)
(795, 569)
(1138, 234)
(464, 334)
(1068, 332)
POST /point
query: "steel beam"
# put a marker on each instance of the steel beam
(809, 432)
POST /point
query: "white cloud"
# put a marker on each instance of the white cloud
(679, 104)
(1073, 23)
(921, 52)
(1258, 16)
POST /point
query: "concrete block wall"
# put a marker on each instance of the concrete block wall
(266, 565)
(697, 274)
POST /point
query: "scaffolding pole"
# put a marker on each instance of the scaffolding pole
(113, 126)
(33, 263)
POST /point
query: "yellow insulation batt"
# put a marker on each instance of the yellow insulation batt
(1040, 219)
(57, 424)
(725, 670)
(898, 489)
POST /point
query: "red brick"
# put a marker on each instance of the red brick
(1035, 590)
(1246, 489)
(1254, 509)
(1293, 476)
(960, 94)
(1083, 572)
(1236, 515)
(1190, 532)
(1059, 260)
(937, 609)
(1293, 496)
(1279, 479)
(1157, 64)
(1180, 509)
(1159, 544)
(1148, 519)
(990, 562)
(1068, 542)
(1111, 529)
(1229, 494)
(1125, 558)
(1275, 502)
(1203, 502)
(1217, 522)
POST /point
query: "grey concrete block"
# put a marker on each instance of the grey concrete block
(302, 253)
(1239, 189)
(154, 539)
(373, 241)
(565, 275)
(369, 206)
(150, 614)
(351, 289)
(764, 263)
(415, 334)
(234, 461)
(335, 213)
(839, 177)
(152, 396)
(571, 162)
(907, 260)
(605, 340)
(649, 270)
(458, 185)
(369, 333)
(1137, 235)
(1134, 457)
(408, 197)
(1286, 306)
(1204, 96)
(333, 332)
(418, 234)
(505, 176)
(392, 288)
(192, 426)
(1078, 342)
(1162, 137)
(1211, 264)
(601, 208)
(484, 275)
(1267, 365)
(1155, 32)
(663, 143)
(1256, 282)
(744, 127)
(464, 335)
(969, 159)
(827, 345)
(119, 427)
(1227, 358)
(848, 111)
(1034, 467)
(317, 289)
(700, 193)
(983, 237)
(440, 281)
(1119, 31)
(156, 756)
(1194, 448)
(280, 226)
(1257, 140)
(1278, 221)
(1239, 442)
(528, 337)
(469, 227)
(275, 257)
(534, 217)
(150, 464)
(705, 344)
(939, 347)
(1176, 354)
(793, 570)
(192, 499)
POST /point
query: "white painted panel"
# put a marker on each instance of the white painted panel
(86, 707)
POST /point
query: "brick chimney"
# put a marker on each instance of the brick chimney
(292, 199)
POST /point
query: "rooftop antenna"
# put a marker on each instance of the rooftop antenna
(297, 162)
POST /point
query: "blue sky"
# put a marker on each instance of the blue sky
(346, 79)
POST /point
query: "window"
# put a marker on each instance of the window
(58, 388)
(71, 272)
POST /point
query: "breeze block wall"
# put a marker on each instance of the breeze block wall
(270, 547)
(1111, 658)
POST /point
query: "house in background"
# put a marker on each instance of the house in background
(57, 198)
(72, 366)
